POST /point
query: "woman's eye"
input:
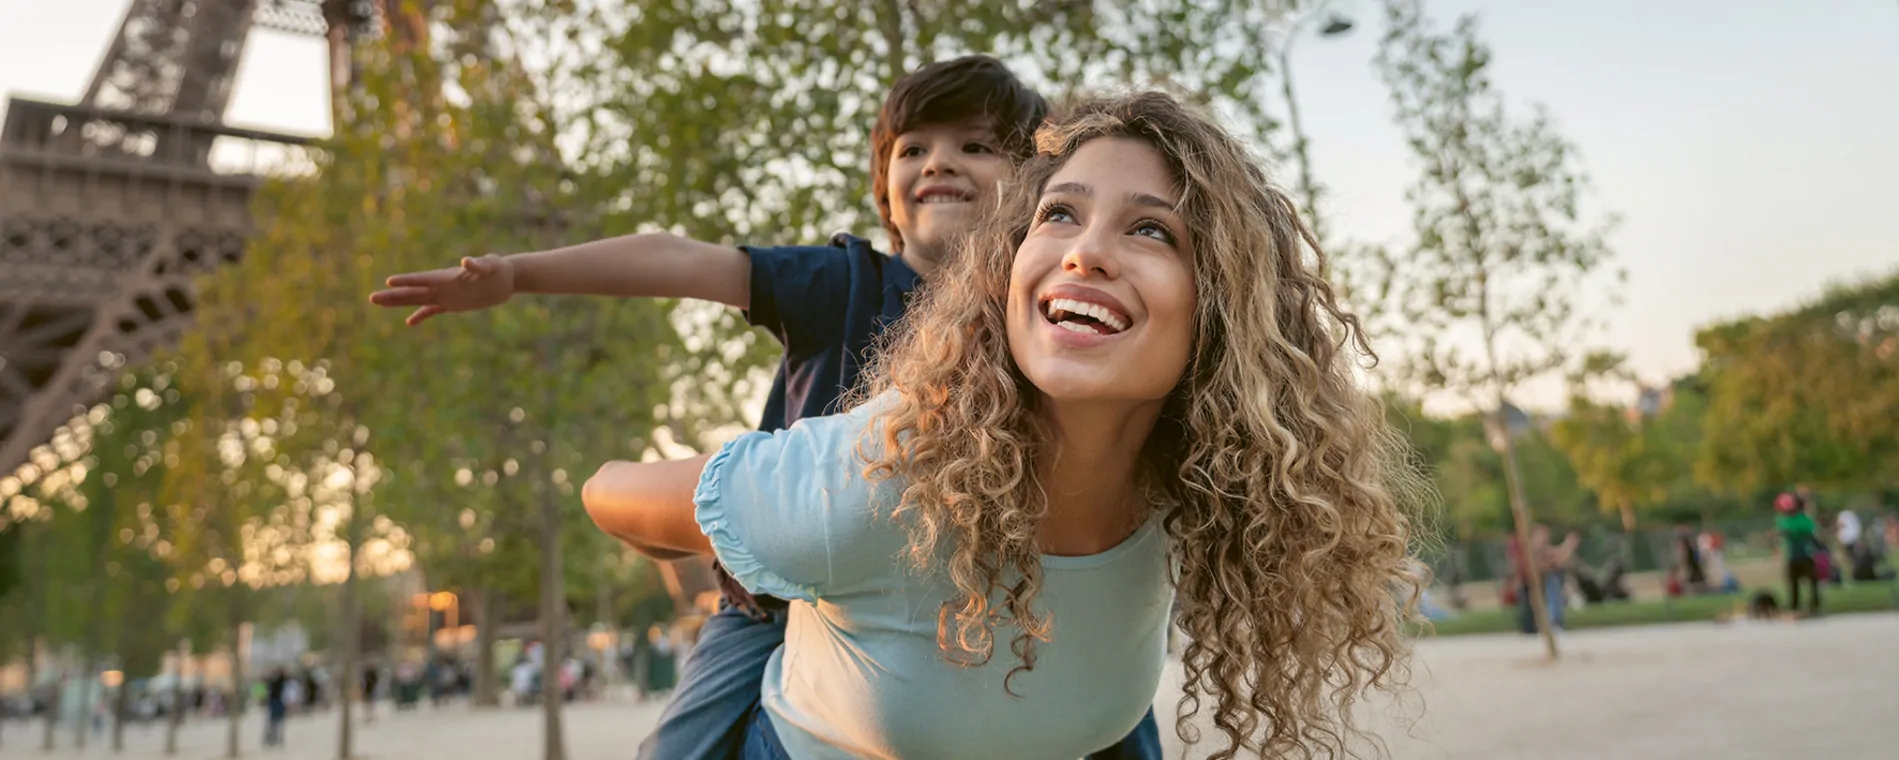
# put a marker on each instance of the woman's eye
(1155, 230)
(1056, 212)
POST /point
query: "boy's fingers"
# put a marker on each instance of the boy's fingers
(479, 265)
(423, 314)
(419, 279)
(403, 296)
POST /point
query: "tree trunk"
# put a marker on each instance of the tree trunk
(1520, 514)
(350, 641)
(32, 662)
(86, 680)
(1628, 532)
(239, 695)
(487, 691)
(603, 614)
(51, 738)
(176, 717)
(120, 701)
(119, 706)
(553, 608)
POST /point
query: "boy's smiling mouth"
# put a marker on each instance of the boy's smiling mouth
(936, 194)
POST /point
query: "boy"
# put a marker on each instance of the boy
(946, 135)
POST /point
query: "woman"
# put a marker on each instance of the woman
(1142, 387)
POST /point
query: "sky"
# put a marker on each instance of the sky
(1749, 148)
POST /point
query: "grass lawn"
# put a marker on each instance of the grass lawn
(1869, 596)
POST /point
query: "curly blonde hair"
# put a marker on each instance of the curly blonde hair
(1284, 492)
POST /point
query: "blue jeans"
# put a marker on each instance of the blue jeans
(1553, 603)
(709, 715)
(715, 710)
(1555, 598)
(761, 741)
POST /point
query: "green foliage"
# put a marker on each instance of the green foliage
(94, 534)
(21, 603)
(1809, 395)
(1622, 460)
(1468, 472)
(125, 476)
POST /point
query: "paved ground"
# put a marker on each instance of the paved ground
(1822, 689)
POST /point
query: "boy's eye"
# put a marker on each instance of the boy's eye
(910, 150)
(977, 147)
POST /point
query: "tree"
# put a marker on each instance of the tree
(23, 604)
(125, 475)
(240, 515)
(97, 543)
(1495, 281)
(1616, 455)
(497, 413)
(1807, 395)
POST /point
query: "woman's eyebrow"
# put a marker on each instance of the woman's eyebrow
(1138, 198)
(1069, 188)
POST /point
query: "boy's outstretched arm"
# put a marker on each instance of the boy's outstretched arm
(648, 506)
(654, 264)
(651, 264)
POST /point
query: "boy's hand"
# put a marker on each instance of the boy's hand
(477, 284)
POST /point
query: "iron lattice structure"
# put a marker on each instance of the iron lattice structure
(110, 206)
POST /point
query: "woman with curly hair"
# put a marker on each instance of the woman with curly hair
(1140, 388)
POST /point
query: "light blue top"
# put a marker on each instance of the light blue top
(790, 514)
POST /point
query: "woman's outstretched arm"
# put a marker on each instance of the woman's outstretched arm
(648, 506)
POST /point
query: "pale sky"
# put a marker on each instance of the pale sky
(1750, 147)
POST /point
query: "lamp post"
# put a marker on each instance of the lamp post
(1334, 25)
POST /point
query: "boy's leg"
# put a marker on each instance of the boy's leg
(761, 740)
(1143, 743)
(717, 689)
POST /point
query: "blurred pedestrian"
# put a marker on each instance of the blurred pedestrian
(276, 707)
(1800, 547)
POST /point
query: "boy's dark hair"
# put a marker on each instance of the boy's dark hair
(948, 92)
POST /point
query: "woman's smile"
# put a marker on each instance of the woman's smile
(1102, 299)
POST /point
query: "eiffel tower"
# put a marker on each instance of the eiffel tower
(110, 206)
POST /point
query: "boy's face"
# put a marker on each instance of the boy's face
(937, 176)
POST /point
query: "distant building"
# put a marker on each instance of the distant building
(1651, 403)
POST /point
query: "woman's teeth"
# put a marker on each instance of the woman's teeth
(1060, 308)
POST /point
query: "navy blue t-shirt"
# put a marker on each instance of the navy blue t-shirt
(827, 305)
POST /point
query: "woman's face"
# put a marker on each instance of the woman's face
(1101, 294)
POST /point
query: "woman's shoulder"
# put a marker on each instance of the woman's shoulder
(853, 431)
